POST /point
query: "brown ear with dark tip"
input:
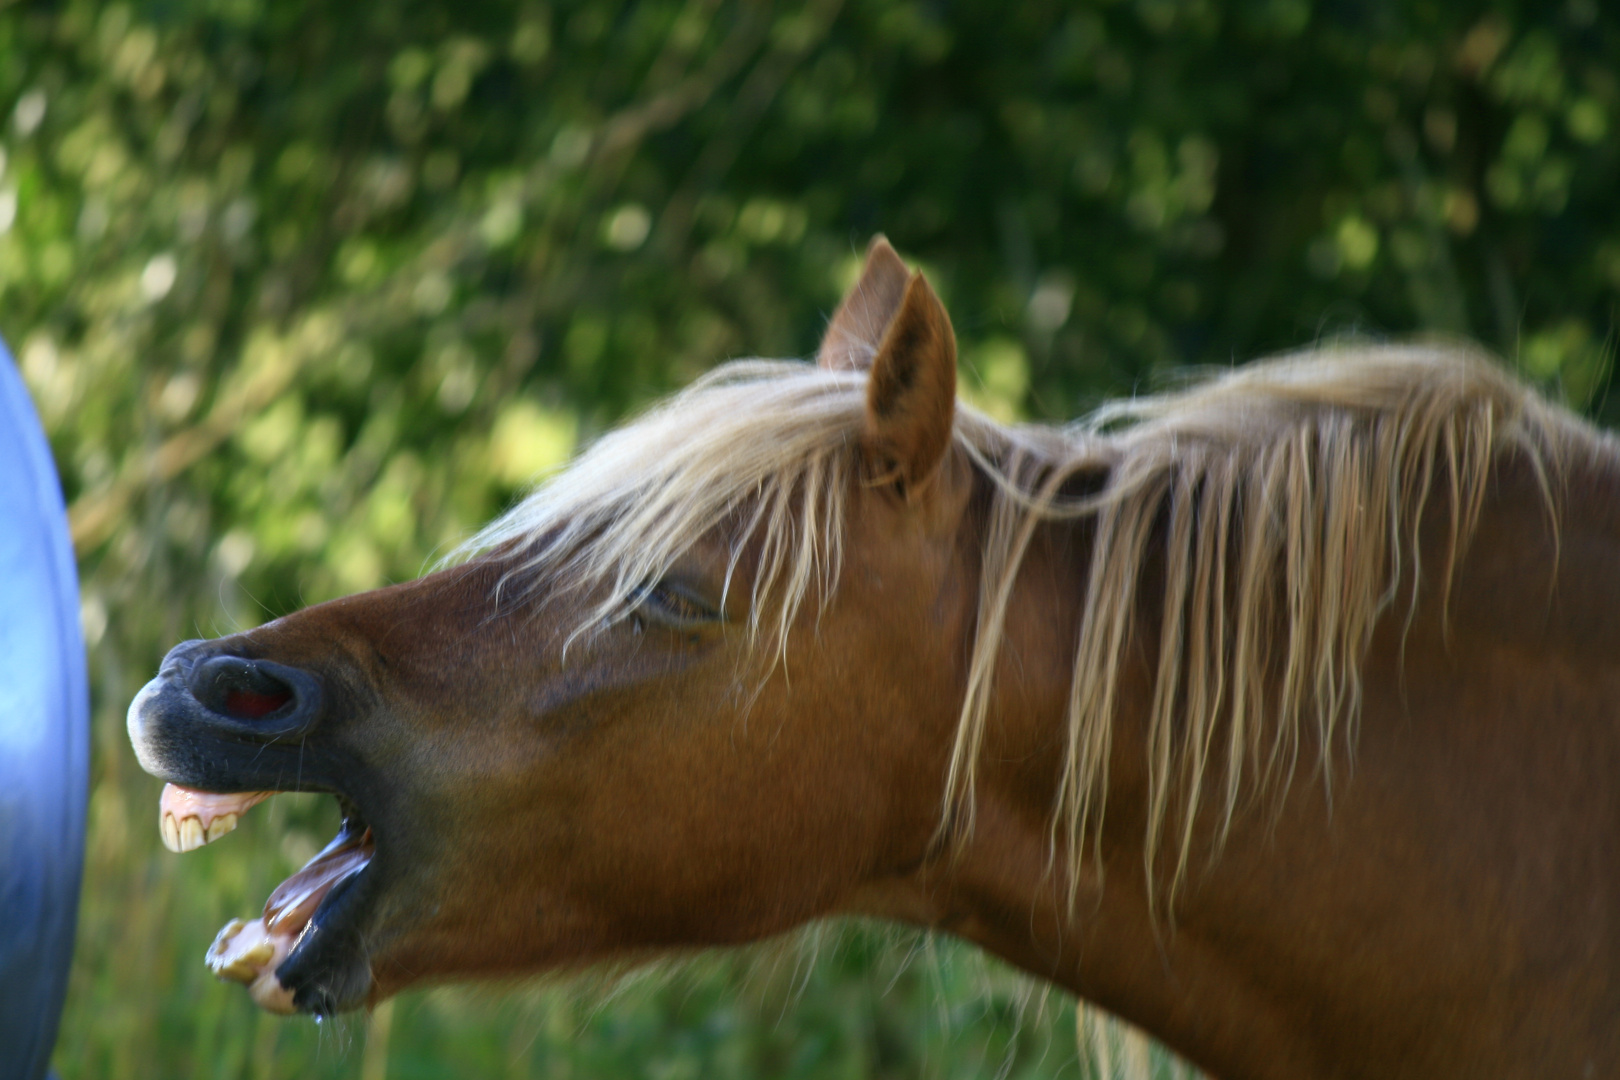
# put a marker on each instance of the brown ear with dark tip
(857, 327)
(911, 392)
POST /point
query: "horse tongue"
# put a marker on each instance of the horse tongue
(190, 818)
(295, 900)
(250, 952)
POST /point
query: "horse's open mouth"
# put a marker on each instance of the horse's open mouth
(251, 952)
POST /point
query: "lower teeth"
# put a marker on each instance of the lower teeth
(250, 952)
(247, 953)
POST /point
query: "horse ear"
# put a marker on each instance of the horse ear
(857, 326)
(911, 392)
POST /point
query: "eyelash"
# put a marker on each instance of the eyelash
(661, 604)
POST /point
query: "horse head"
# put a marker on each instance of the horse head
(699, 690)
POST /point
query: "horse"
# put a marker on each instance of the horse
(1277, 714)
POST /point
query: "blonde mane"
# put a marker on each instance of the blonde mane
(1285, 496)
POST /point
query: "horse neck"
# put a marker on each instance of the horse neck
(1434, 850)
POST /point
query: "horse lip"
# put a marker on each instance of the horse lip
(329, 970)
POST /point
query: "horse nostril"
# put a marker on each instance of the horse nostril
(249, 705)
(240, 689)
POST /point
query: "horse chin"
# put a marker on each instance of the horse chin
(327, 969)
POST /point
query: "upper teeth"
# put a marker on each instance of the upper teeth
(190, 833)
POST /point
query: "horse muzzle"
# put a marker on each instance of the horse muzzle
(228, 731)
(224, 722)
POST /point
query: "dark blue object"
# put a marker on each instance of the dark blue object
(44, 739)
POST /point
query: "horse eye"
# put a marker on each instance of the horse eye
(670, 606)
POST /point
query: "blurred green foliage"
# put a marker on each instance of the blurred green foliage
(306, 291)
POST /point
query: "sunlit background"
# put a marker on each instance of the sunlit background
(306, 291)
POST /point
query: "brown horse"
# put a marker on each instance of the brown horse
(1279, 716)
